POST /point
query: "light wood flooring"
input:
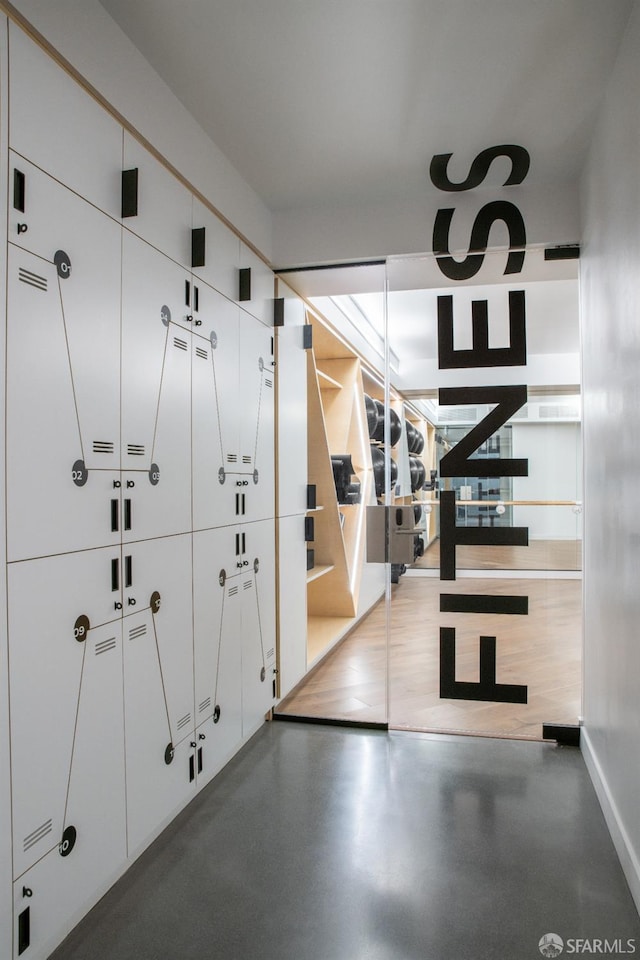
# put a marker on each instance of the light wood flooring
(538, 555)
(541, 650)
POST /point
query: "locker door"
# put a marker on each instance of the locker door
(162, 206)
(215, 413)
(257, 588)
(257, 291)
(60, 127)
(156, 395)
(221, 252)
(217, 645)
(63, 379)
(91, 846)
(62, 613)
(158, 681)
(256, 417)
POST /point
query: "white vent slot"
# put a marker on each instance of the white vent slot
(135, 449)
(102, 446)
(232, 458)
(555, 411)
(246, 459)
(33, 279)
(232, 591)
(183, 722)
(105, 645)
(36, 835)
(270, 653)
(204, 705)
(457, 415)
(138, 631)
(267, 382)
(202, 353)
(247, 585)
(180, 344)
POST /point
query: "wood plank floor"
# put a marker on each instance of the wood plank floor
(538, 555)
(541, 650)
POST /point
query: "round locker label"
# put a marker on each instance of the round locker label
(216, 713)
(221, 475)
(165, 315)
(213, 337)
(169, 754)
(256, 565)
(79, 473)
(81, 628)
(154, 475)
(68, 841)
(155, 601)
(263, 675)
(63, 264)
(260, 364)
(222, 577)
(255, 476)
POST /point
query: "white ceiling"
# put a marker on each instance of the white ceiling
(318, 101)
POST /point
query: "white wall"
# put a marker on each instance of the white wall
(555, 473)
(83, 33)
(611, 384)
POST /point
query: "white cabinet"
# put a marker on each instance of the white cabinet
(233, 417)
(161, 203)
(156, 394)
(217, 617)
(63, 374)
(256, 286)
(66, 703)
(57, 125)
(158, 681)
(257, 587)
(221, 252)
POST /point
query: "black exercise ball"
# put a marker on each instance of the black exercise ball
(378, 433)
(372, 414)
(395, 427)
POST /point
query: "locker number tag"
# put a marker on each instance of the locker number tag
(63, 264)
(221, 475)
(213, 337)
(79, 473)
(155, 602)
(81, 628)
(165, 315)
(154, 475)
(216, 713)
(169, 754)
(68, 841)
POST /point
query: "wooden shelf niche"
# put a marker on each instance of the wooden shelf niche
(336, 425)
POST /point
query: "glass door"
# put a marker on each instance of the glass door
(485, 607)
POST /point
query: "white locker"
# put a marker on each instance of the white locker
(158, 681)
(257, 587)
(162, 204)
(57, 125)
(260, 281)
(215, 412)
(256, 402)
(156, 394)
(63, 378)
(66, 699)
(217, 621)
(292, 415)
(221, 252)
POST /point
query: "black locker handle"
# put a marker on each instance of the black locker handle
(192, 769)
(199, 759)
(244, 543)
(115, 574)
(187, 293)
(24, 930)
(115, 516)
(18, 190)
(128, 571)
(127, 514)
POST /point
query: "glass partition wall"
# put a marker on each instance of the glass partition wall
(470, 618)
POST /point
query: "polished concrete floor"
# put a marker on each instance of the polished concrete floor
(325, 843)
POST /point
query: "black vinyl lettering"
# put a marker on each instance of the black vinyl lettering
(451, 536)
(487, 216)
(483, 603)
(520, 161)
(487, 689)
(481, 355)
(457, 462)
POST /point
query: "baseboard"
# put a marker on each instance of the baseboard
(624, 848)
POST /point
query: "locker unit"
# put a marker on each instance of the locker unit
(140, 496)
(233, 415)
